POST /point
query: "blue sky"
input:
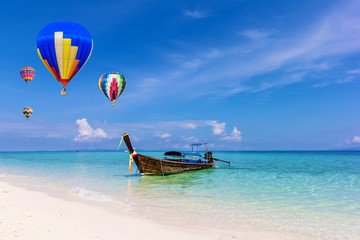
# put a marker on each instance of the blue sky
(241, 75)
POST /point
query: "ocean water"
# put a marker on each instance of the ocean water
(315, 195)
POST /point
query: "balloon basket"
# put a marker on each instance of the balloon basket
(63, 92)
(112, 105)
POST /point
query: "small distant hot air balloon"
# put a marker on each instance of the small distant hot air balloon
(27, 112)
(64, 48)
(27, 73)
(112, 84)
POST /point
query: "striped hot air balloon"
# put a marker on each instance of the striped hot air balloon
(64, 48)
(27, 112)
(27, 73)
(112, 84)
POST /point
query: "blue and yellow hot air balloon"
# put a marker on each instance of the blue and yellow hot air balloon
(27, 112)
(64, 48)
(112, 84)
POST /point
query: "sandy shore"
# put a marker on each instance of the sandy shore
(28, 214)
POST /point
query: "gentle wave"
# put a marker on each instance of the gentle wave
(98, 196)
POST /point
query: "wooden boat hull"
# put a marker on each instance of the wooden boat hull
(149, 165)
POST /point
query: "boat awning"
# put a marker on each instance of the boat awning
(173, 154)
(181, 154)
(196, 144)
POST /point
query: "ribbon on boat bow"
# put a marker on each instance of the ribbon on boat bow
(122, 138)
(132, 155)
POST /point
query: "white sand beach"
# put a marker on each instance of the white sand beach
(28, 214)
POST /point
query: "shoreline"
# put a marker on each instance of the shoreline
(27, 214)
(39, 214)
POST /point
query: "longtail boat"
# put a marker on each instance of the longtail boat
(172, 162)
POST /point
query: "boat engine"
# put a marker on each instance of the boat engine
(208, 156)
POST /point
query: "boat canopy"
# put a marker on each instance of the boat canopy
(196, 144)
(181, 154)
(173, 154)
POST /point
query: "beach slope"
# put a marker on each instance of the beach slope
(28, 214)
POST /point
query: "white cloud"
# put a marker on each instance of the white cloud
(346, 80)
(149, 83)
(190, 125)
(316, 47)
(246, 66)
(190, 139)
(165, 131)
(147, 88)
(320, 85)
(356, 139)
(256, 34)
(165, 135)
(54, 135)
(195, 14)
(234, 136)
(87, 133)
(193, 63)
(355, 71)
(218, 128)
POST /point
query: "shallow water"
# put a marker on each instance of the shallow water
(314, 194)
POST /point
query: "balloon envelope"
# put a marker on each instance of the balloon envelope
(112, 84)
(64, 48)
(27, 112)
(27, 73)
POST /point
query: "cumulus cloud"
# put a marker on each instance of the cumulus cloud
(218, 128)
(195, 14)
(234, 136)
(87, 133)
(356, 139)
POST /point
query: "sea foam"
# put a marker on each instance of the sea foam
(91, 195)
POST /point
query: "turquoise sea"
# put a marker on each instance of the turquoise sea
(313, 194)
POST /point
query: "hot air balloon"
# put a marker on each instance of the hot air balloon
(27, 112)
(27, 73)
(64, 48)
(112, 84)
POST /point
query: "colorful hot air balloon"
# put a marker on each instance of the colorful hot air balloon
(64, 48)
(27, 73)
(27, 112)
(112, 84)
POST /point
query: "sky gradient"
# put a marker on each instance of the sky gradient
(241, 75)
